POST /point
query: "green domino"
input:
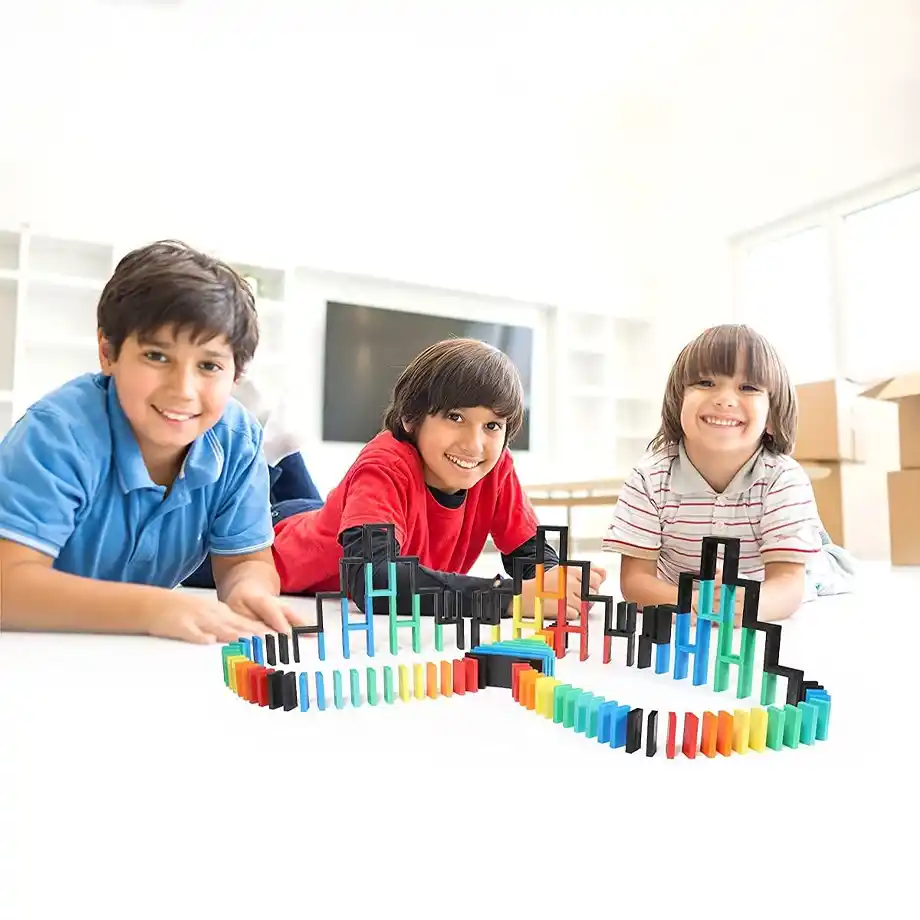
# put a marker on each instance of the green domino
(793, 727)
(371, 687)
(824, 717)
(337, 689)
(355, 687)
(767, 689)
(581, 712)
(809, 722)
(560, 694)
(592, 716)
(744, 660)
(234, 648)
(776, 719)
(571, 702)
(387, 684)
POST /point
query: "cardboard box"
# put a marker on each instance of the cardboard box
(904, 393)
(837, 422)
(904, 513)
(853, 505)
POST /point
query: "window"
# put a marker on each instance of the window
(837, 289)
(881, 289)
(785, 289)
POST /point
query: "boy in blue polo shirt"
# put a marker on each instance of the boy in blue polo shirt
(115, 487)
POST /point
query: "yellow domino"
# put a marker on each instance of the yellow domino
(418, 674)
(231, 669)
(741, 724)
(404, 683)
(759, 720)
(544, 692)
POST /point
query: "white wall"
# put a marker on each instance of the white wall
(569, 152)
(309, 294)
(373, 139)
(777, 107)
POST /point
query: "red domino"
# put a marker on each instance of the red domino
(670, 749)
(472, 674)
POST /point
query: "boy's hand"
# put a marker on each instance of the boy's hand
(257, 604)
(551, 586)
(199, 618)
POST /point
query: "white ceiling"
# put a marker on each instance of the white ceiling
(577, 126)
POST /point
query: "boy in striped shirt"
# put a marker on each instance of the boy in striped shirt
(720, 466)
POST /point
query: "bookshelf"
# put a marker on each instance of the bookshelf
(49, 289)
(608, 399)
(597, 389)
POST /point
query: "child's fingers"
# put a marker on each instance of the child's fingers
(214, 632)
(244, 625)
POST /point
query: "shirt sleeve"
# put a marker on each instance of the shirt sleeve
(243, 523)
(46, 482)
(514, 521)
(636, 526)
(790, 528)
(376, 495)
(463, 586)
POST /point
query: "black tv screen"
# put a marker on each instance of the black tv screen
(367, 348)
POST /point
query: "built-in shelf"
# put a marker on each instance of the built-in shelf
(598, 408)
(49, 292)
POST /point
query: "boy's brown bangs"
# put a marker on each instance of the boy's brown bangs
(489, 383)
(727, 350)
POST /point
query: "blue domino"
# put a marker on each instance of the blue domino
(304, 691)
(320, 692)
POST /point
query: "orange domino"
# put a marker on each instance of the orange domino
(724, 734)
(516, 668)
(447, 683)
(708, 739)
(243, 678)
(432, 673)
(459, 676)
(527, 688)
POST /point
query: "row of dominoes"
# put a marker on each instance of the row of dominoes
(619, 725)
(287, 690)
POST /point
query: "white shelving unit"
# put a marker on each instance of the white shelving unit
(599, 402)
(49, 290)
(607, 401)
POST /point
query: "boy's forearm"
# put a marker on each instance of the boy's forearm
(779, 598)
(648, 590)
(36, 597)
(256, 572)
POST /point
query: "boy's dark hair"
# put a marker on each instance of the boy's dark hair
(456, 374)
(721, 350)
(168, 283)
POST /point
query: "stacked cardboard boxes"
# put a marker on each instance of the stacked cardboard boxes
(852, 439)
(903, 395)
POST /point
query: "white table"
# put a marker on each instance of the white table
(136, 784)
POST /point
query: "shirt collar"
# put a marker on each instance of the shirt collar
(202, 466)
(685, 478)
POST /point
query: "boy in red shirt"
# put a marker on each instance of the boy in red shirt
(442, 474)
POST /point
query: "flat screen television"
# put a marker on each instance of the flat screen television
(366, 348)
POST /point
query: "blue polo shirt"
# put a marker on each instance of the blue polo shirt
(73, 485)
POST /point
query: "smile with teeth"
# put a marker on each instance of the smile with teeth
(722, 422)
(463, 464)
(176, 416)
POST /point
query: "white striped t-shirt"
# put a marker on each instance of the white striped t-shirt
(666, 508)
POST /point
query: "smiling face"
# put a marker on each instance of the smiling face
(724, 416)
(459, 447)
(172, 388)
